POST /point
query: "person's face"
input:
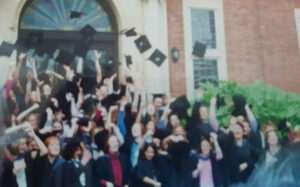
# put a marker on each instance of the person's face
(269, 128)
(33, 146)
(77, 153)
(57, 127)
(151, 109)
(32, 119)
(113, 144)
(247, 128)
(150, 127)
(33, 96)
(104, 113)
(22, 146)
(174, 120)
(179, 131)
(240, 119)
(203, 113)
(157, 102)
(59, 116)
(46, 90)
(136, 130)
(103, 91)
(273, 138)
(238, 132)
(53, 148)
(205, 147)
(149, 153)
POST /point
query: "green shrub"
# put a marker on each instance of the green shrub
(267, 102)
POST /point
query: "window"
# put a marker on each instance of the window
(54, 15)
(204, 23)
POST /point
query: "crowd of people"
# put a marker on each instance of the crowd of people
(82, 132)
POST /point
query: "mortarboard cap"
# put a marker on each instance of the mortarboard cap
(130, 32)
(180, 106)
(75, 14)
(6, 49)
(65, 57)
(142, 44)
(199, 49)
(88, 31)
(239, 102)
(157, 57)
(128, 59)
(111, 66)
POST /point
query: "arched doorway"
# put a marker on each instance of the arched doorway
(50, 20)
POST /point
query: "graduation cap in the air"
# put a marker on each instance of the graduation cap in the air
(142, 43)
(199, 49)
(239, 102)
(88, 31)
(75, 14)
(110, 66)
(6, 49)
(157, 57)
(128, 59)
(131, 32)
(180, 106)
(65, 57)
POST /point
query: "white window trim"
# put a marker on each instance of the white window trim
(219, 53)
(297, 19)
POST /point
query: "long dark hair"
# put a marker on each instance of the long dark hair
(144, 149)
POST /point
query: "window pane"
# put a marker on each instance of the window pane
(54, 15)
(203, 27)
(205, 70)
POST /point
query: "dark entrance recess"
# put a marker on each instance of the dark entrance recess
(66, 33)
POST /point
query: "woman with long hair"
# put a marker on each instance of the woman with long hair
(113, 168)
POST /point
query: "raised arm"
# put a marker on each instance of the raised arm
(79, 67)
(251, 117)
(219, 153)
(97, 66)
(43, 148)
(213, 118)
(21, 116)
(56, 75)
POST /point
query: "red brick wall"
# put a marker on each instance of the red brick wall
(261, 42)
(176, 39)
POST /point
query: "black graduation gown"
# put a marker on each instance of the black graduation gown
(113, 98)
(241, 154)
(146, 168)
(8, 179)
(50, 175)
(103, 169)
(181, 163)
(72, 174)
(216, 170)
